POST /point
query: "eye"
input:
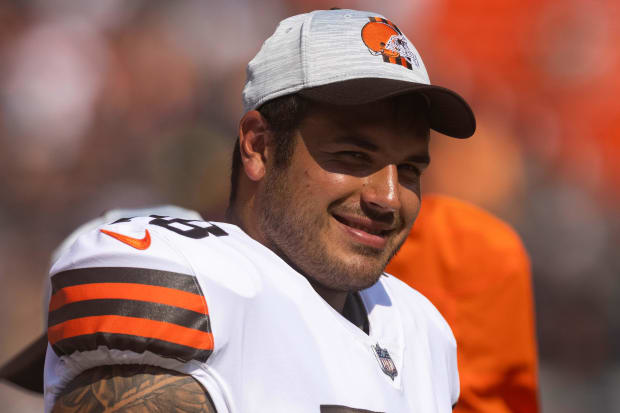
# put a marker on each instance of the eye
(410, 169)
(354, 155)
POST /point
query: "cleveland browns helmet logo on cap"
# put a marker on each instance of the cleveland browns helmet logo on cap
(382, 37)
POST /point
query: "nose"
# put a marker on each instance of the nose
(381, 190)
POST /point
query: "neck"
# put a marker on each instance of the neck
(336, 299)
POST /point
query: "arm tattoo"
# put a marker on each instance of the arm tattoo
(133, 389)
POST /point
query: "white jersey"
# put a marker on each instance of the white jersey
(207, 300)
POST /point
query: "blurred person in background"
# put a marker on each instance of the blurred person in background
(475, 269)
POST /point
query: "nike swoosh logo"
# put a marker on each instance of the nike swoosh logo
(137, 243)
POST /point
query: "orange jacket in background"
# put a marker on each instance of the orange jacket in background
(474, 269)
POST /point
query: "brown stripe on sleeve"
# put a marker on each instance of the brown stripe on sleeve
(131, 308)
(129, 342)
(178, 281)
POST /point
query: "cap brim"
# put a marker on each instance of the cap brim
(449, 113)
(26, 368)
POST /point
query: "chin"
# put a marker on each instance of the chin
(360, 283)
(353, 274)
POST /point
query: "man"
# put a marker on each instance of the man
(288, 309)
(474, 268)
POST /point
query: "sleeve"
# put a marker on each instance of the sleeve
(122, 295)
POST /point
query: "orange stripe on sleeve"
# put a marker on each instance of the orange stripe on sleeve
(127, 291)
(132, 326)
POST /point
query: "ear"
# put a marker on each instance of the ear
(254, 136)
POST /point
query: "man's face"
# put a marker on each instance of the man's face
(346, 202)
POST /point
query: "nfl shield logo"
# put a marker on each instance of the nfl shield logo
(385, 361)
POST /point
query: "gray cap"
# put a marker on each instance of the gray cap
(348, 57)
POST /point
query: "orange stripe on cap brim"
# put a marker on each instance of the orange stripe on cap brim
(129, 291)
(141, 327)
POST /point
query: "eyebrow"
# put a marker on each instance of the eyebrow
(358, 141)
(369, 146)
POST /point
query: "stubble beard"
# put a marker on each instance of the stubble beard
(293, 232)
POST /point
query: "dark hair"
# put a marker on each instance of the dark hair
(283, 115)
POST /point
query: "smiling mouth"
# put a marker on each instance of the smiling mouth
(366, 225)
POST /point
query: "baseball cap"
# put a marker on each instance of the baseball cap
(348, 57)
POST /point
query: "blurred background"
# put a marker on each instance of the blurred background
(128, 103)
